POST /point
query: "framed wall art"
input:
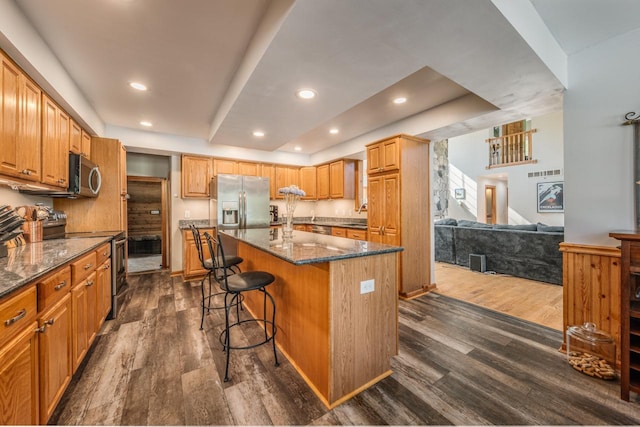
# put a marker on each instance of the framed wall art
(551, 196)
(459, 193)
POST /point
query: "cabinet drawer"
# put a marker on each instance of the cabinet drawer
(83, 267)
(16, 312)
(634, 258)
(339, 231)
(357, 234)
(52, 288)
(103, 253)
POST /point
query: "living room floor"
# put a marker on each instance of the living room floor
(536, 302)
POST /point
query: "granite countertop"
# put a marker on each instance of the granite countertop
(184, 224)
(25, 263)
(308, 248)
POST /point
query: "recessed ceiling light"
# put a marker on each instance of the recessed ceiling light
(137, 86)
(297, 148)
(258, 133)
(400, 100)
(145, 123)
(306, 93)
(333, 131)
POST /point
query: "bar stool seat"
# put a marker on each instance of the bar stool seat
(233, 286)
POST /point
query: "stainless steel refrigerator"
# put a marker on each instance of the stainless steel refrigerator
(239, 201)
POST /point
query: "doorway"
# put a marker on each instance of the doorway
(147, 218)
(490, 204)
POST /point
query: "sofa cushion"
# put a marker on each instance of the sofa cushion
(522, 227)
(446, 221)
(472, 224)
(550, 228)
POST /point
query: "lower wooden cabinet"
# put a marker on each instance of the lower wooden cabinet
(356, 234)
(19, 379)
(84, 301)
(55, 347)
(103, 283)
(191, 265)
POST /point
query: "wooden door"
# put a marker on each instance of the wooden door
(336, 180)
(391, 218)
(19, 379)
(196, 176)
(225, 166)
(490, 204)
(308, 182)
(391, 155)
(75, 138)
(9, 118)
(86, 144)
(323, 182)
(29, 154)
(375, 212)
(55, 355)
(374, 158)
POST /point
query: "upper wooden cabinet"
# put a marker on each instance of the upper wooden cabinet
(342, 179)
(322, 174)
(86, 144)
(196, 176)
(308, 182)
(383, 156)
(225, 166)
(75, 138)
(20, 123)
(55, 144)
(286, 176)
(249, 169)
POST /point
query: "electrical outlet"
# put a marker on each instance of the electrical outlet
(187, 214)
(367, 286)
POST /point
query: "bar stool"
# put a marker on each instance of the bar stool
(231, 262)
(234, 285)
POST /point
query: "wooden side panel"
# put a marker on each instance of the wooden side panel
(364, 327)
(302, 303)
(591, 288)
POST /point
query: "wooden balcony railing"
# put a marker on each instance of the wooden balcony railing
(512, 149)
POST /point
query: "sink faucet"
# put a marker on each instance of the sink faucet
(362, 206)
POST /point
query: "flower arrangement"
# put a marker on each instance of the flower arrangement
(291, 196)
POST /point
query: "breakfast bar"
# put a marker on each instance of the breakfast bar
(336, 299)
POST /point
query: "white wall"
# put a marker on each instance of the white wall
(468, 158)
(603, 87)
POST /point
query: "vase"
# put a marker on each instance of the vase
(287, 227)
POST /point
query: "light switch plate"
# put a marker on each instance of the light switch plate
(367, 286)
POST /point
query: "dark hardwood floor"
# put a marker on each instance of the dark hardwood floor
(458, 364)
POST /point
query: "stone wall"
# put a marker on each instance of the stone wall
(441, 179)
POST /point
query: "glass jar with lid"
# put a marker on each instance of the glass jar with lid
(591, 351)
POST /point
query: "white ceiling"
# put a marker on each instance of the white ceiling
(219, 69)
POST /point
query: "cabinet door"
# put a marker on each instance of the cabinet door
(225, 166)
(80, 327)
(93, 313)
(356, 234)
(339, 231)
(190, 261)
(374, 158)
(196, 176)
(9, 118)
(308, 182)
(336, 180)
(384, 209)
(19, 379)
(86, 144)
(62, 152)
(293, 176)
(249, 169)
(75, 138)
(29, 154)
(391, 155)
(55, 355)
(50, 158)
(123, 172)
(269, 171)
(323, 182)
(103, 282)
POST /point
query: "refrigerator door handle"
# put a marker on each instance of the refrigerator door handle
(244, 209)
(240, 209)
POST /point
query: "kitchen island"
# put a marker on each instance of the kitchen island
(336, 302)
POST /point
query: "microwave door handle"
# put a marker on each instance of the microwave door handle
(95, 171)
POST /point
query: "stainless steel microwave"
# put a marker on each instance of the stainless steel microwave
(84, 180)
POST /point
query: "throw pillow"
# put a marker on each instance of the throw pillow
(550, 228)
(446, 221)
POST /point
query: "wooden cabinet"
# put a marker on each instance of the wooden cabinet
(55, 144)
(383, 156)
(269, 171)
(629, 312)
(384, 214)
(191, 266)
(342, 179)
(308, 182)
(399, 209)
(20, 126)
(249, 169)
(19, 379)
(75, 138)
(84, 301)
(225, 166)
(196, 176)
(356, 234)
(286, 176)
(55, 354)
(339, 231)
(103, 282)
(323, 182)
(86, 144)
(19, 358)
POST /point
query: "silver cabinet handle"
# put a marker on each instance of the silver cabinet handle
(89, 283)
(88, 266)
(18, 316)
(50, 322)
(60, 285)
